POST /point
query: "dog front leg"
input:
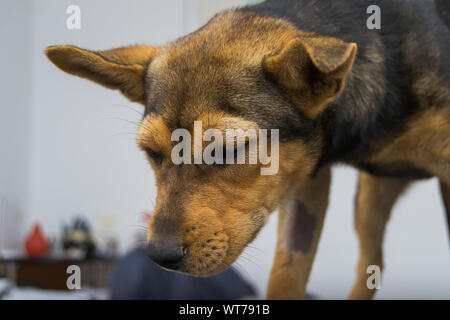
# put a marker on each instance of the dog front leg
(300, 223)
(445, 193)
(374, 202)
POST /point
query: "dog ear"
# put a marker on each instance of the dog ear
(313, 69)
(121, 68)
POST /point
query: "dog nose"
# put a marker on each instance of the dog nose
(166, 254)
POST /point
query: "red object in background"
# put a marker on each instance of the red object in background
(36, 243)
(147, 216)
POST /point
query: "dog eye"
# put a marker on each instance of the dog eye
(155, 156)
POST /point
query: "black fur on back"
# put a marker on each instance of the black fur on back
(443, 8)
(412, 47)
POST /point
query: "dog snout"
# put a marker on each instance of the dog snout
(167, 254)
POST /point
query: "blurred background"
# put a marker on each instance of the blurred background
(72, 178)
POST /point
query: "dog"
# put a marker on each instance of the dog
(337, 91)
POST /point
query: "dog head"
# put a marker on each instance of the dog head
(238, 72)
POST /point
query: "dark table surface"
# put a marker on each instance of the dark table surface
(52, 259)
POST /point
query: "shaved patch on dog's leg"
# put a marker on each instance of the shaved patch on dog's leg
(300, 223)
(299, 227)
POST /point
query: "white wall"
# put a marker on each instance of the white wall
(15, 109)
(81, 161)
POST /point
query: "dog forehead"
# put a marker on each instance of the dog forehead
(219, 46)
(207, 72)
(185, 83)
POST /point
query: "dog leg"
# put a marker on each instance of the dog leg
(374, 202)
(445, 193)
(300, 223)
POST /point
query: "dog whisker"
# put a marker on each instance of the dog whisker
(124, 120)
(127, 107)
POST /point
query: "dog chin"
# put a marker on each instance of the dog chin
(222, 266)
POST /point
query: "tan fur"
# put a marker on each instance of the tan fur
(374, 202)
(153, 133)
(122, 68)
(425, 144)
